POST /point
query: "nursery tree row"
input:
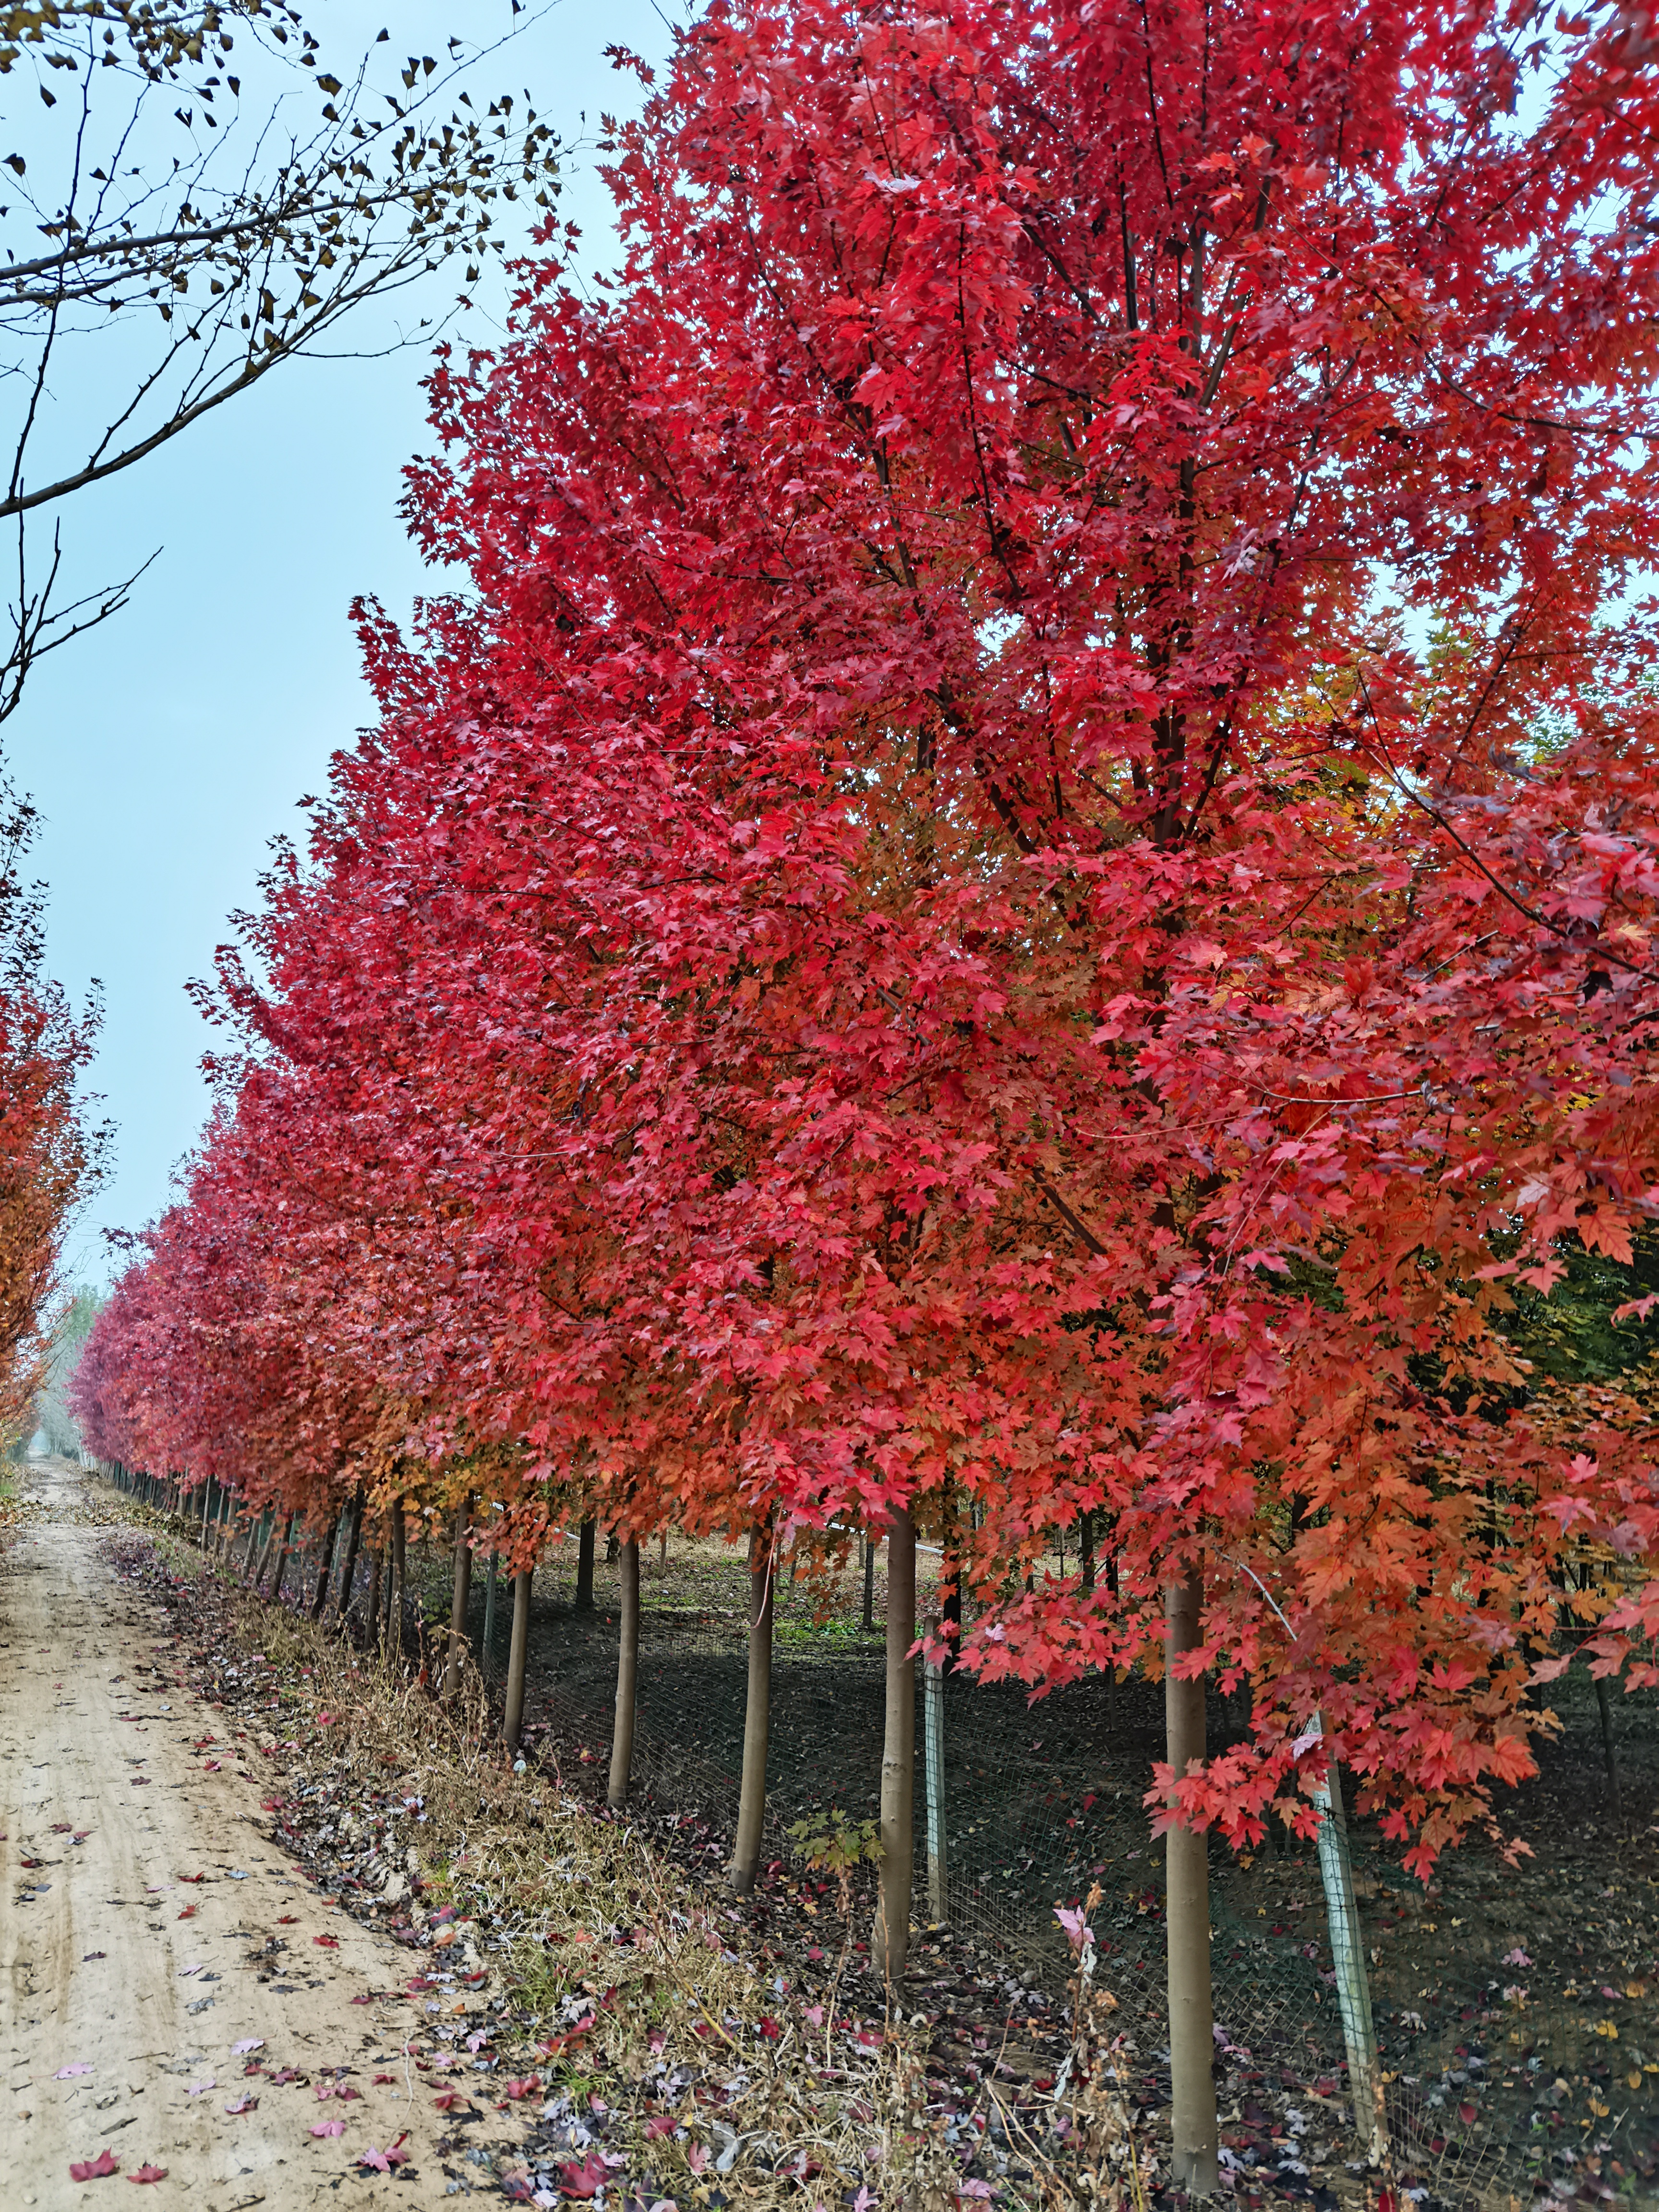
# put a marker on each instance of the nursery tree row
(1020, 896)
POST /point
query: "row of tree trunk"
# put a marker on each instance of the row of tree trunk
(1195, 2119)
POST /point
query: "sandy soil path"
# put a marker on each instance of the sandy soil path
(124, 1987)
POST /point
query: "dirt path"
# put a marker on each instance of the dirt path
(138, 1897)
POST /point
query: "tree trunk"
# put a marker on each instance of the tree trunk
(331, 1545)
(490, 1616)
(950, 1609)
(254, 1520)
(869, 1584)
(584, 1567)
(1196, 2158)
(372, 1610)
(462, 1592)
(627, 1674)
(889, 1940)
(1604, 1706)
(758, 1717)
(354, 1538)
(513, 1717)
(267, 1542)
(207, 1499)
(282, 1560)
(1085, 1537)
(399, 1562)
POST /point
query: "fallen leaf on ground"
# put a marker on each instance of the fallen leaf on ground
(328, 1943)
(92, 2169)
(148, 2173)
(585, 2179)
(248, 2043)
(189, 1913)
(242, 2105)
(68, 2073)
(329, 2127)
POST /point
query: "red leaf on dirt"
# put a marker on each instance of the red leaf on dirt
(92, 2169)
(182, 1877)
(528, 2087)
(446, 2100)
(148, 2173)
(1467, 2113)
(329, 2127)
(287, 1920)
(381, 2078)
(327, 1943)
(239, 2104)
(659, 2124)
(141, 1781)
(60, 1828)
(585, 2179)
(384, 2161)
(87, 1956)
(189, 1912)
(769, 2028)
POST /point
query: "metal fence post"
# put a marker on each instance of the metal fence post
(934, 1770)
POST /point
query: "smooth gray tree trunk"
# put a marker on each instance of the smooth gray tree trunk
(889, 1940)
(627, 1674)
(758, 1717)
(1195, 2134)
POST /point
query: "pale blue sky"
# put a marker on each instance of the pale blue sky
(167, 749)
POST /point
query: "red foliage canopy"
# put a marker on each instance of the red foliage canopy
(1029, 878)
